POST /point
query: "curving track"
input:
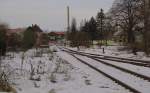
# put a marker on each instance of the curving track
(135, 87)
(116, 59)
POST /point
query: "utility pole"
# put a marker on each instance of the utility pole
(68, 24)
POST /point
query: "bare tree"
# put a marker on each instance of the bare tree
(125, 12)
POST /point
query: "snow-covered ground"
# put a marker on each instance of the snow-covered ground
(142, 85)
(54, 71)
(98, 82)
(116, 51)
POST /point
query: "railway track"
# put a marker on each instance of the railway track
(127, 72)
(145, 77)
(116, 59)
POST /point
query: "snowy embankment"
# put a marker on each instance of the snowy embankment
(44, 71)
(115, 51)
(139, 69)
(36, 71)
(142, 85)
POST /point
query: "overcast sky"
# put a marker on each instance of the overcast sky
(48, 14)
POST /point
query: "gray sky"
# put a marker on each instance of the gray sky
(48, 14)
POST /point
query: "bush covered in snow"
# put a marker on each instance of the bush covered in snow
(32, 68)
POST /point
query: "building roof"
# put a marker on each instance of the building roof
(60, 33)
(17, 30)
(57, 33)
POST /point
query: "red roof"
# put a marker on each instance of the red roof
(58, 33)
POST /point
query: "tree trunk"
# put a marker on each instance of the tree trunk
(146, 24)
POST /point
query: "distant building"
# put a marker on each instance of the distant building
(56, 37)
(17, 31)
(120, 36)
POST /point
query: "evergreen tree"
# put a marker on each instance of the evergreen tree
(92, 29)
(85, 27)
(29, 38)
(100, 19)
(36, 28)
(72, 33)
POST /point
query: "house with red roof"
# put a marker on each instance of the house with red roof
(56, 37)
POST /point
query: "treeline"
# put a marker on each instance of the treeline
(95, 29)
(130, 18)
(133, 19)
(30, 37)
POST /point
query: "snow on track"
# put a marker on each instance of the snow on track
(139, 69)
(100, 84)
(139, 84)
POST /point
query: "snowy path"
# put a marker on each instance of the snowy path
(137, 83)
